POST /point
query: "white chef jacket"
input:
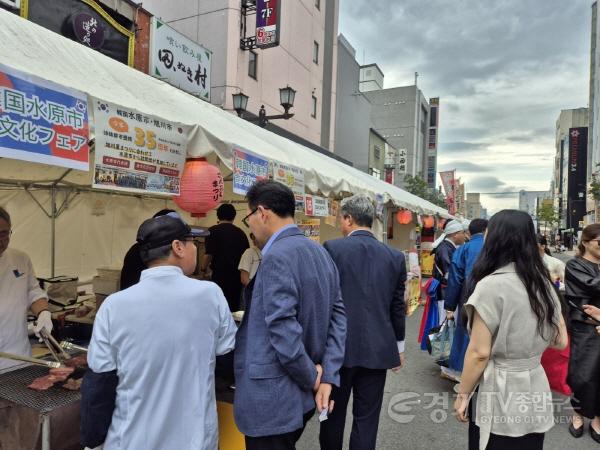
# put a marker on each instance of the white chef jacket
(162, 336)
(18, 290)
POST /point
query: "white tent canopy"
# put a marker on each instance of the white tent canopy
(37, 51)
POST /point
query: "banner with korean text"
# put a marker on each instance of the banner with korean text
(137, 152)
(248, 168)
(292, 177)
(42, 122)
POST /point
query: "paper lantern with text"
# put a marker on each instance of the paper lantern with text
(428, 222)
(201, 187)
(404, 217)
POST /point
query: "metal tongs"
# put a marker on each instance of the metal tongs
(70, 346)
(54, 347)
(39, 362)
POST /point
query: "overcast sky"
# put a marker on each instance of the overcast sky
(503, 70)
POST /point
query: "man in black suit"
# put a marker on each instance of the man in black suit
(372, 278)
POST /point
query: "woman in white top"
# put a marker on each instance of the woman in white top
(514, 314)
(554, 265)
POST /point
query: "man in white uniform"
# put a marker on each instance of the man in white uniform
(161, 337)
(19, 291)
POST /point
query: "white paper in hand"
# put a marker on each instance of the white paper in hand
(323, 416)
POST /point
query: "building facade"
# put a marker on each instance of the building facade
(401, 116)
(473, 206)
(529, 201)
(570, 168)
(305, 59)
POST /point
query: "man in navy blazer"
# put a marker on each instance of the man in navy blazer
(373, 278)
(290, 345)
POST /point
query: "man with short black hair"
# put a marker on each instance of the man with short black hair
(372, 277)
(155, 345)
(132, 263)
(224, 249)
(290, 345)
(19, 292)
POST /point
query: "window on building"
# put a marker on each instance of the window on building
(316, 52)
(377, 152)
(375, 173)
(252, 64)
(318, 4)
(314, 107)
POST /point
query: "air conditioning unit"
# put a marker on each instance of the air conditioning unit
(16, 4)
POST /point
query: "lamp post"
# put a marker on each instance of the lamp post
(287, 96)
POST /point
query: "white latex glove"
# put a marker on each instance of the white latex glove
(44, 320)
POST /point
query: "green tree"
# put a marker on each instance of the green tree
(547, 214)
(419, 187)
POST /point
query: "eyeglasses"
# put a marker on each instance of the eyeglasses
(5, 234)
(595, 240)
(245, 219)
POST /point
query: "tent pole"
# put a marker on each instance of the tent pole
(385, 226)
(53, 232)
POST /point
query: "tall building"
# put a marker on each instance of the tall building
(305, 57)
(402, 116)
(530, 200)
(356, 139)
(570, 168)
(473, 206)
(593, 157)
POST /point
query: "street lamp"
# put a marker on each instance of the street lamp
(287, 96)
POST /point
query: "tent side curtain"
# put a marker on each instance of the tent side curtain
(37, 51)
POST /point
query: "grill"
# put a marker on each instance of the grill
(13, 387)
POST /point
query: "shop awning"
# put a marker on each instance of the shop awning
(35, 50)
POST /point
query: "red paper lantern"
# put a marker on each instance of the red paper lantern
(428, 222)
(201, 187)
(404, 217)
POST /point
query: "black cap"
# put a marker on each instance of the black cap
(160, 231)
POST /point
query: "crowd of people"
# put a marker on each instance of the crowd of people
(323, 324)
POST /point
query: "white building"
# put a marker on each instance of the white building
(530, 200)
(305, 58)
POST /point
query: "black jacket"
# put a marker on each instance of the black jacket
(582, 285)
(372, 277)
(442, 263)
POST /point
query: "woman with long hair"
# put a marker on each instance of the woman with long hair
(514, 314)
(583, 288)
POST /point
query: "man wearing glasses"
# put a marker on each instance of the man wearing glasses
(19, 291)
(155, 344)
(290, 345)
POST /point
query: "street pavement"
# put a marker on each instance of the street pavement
(421, 377)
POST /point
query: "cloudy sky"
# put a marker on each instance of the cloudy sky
(503, 70)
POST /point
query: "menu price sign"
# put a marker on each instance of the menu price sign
(316, 206)
(137, 152)
(292, 177)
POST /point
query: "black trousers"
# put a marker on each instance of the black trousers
(531, 441)
(366, 385)
(584, 369)
(285, 441)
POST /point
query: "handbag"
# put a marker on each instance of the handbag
(439, 342)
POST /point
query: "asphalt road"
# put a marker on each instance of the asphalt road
(428, 430)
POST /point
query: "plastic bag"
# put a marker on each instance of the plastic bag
(440, 342)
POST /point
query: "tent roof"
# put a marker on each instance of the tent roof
(35, 50)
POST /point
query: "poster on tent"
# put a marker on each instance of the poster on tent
(334, 209)
(137, 152)
(248, 168)
(316, 206)
(311, 228)
(292, 177)
(42, 122)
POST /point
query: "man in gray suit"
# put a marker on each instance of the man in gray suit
(290, 345)
(372, 278)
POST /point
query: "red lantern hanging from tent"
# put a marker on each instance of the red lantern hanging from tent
(404, 217)
(428, 221)
(201, 187)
